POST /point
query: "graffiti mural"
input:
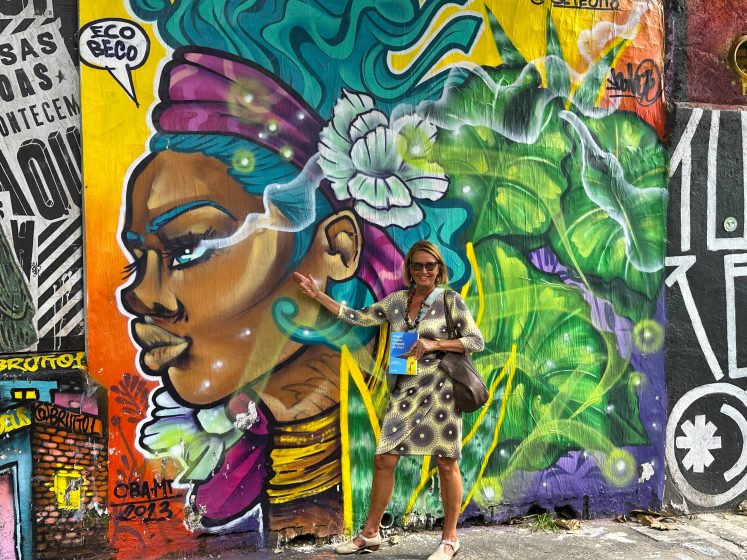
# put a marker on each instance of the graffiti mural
(53, 458)
(41, 257)
(706, 310)
(327, 138)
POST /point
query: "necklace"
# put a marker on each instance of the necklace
(421, 310)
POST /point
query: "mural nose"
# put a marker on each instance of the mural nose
(148, 295)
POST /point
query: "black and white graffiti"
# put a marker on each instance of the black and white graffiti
(706, 447)
(40, 186)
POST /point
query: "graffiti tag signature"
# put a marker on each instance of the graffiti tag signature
(644, 85)
(145, 501)
(611, 5)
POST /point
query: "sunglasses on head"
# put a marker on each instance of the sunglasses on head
(429, 266)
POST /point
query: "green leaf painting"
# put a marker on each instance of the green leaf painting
(565, 368)
(612, 225)
(544, 169)
(514, 188)
(536, 173)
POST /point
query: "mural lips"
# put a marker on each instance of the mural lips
(160, 347)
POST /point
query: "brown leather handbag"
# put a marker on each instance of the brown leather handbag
(470, 392)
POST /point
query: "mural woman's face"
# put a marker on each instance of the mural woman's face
(203, 317)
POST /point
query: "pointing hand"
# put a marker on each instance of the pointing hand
(307, 285)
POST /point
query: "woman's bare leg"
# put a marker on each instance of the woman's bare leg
(451, 494)
(381, 492)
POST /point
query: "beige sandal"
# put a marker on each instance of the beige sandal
(441, 554)
(369, 545)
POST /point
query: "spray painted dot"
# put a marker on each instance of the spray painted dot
(637, 378)
(648, 336)
(243, 161)
(414, 144)
(619, 467)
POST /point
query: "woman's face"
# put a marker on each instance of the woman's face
(203, 317)
(424, 279)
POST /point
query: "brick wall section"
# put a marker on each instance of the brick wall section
(61, 533)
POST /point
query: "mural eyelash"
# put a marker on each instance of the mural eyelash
(189, 240)
(175, 247)
(188, 244)
(130, 269)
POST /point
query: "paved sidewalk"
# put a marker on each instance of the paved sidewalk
(703, 537)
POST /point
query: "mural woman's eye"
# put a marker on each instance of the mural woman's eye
(187, 250)
(187, 256)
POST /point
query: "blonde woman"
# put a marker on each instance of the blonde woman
(421, 418)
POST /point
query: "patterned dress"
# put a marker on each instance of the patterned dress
(421, 418)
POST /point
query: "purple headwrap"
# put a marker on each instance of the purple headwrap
(212, 92)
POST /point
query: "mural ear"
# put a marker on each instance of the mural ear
(342, 244)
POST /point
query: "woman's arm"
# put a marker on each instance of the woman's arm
(370, 316)
(425, 346)
(470, 338)
(309, 287)
(469, 334)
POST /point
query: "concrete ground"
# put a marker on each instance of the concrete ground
(702, 537)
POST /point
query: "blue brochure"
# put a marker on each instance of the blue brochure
(400, 363)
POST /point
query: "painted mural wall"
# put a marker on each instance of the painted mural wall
(231, 143)
(706, 291)
(53, 459)
(707, 297)
(41, 238)
(53, 418)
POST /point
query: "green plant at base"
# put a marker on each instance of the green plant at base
(543, 522)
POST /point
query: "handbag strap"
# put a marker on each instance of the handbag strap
(449, 321)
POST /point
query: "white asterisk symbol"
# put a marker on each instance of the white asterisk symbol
(699, 439)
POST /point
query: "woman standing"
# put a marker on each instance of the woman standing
(422, 418)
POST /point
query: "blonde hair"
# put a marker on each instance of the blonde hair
(432, 250)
